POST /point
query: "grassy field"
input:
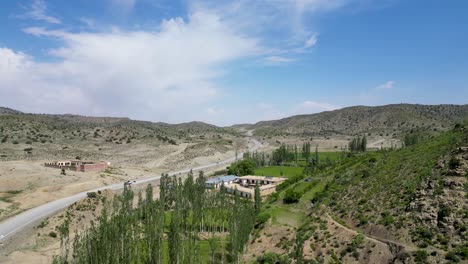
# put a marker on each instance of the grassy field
(323, 156)
(276, 171)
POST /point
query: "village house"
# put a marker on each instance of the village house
(78, 165)
(215, 183)
(245, 186)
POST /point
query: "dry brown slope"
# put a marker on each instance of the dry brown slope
(365, 119)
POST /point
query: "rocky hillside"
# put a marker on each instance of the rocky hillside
(381, 120)
(37, 136)
(408, 205)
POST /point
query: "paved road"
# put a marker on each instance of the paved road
(16, 223)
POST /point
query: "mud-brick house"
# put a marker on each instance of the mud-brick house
(78, 165)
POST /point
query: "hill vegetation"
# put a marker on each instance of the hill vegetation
(388, 206)
(392, 120)
(34, 136)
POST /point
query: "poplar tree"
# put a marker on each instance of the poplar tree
(258, 199)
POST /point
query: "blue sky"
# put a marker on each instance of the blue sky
(228, 62)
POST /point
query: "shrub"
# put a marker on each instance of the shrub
(291, 196)
(454, 163)
(420, 256)
(363, 220)
(452, 256)
(263, 217)
(444, 211)
(43, 224)
(272, 258)
(91, 195)
(387, 218)
(53, 234)
(424, 233)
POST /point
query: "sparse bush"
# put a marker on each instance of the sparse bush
(420, 256)
(387, 218)
(424, 233)
(43, 224)
(444, 211)
(91, 195)
(452, 256)
(363, 220)
(454, 163)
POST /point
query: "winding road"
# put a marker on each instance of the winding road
(18, 222)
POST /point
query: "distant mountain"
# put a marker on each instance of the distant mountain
(8, 111)
(73, 135)
(71, 120)
(387, 119)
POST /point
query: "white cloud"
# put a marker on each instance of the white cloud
(37, 11)
(164, 75)
(310, 107)
(311, 41)
(284, 17)
(278, 60)
(386, 86)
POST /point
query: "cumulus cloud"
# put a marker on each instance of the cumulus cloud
(38, 11)
(386, 86)
(310, 107)
(164, 75)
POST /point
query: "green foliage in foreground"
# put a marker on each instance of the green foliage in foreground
(291, 196)
(374, 187)
(242, 167)
(129, 233)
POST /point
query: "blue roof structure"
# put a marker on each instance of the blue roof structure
(220, 179)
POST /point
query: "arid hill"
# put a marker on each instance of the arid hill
(38, 136)
(381, 120)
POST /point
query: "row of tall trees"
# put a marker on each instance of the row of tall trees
(165, 230)
(358, 144)
(285, 154)
(291, 154)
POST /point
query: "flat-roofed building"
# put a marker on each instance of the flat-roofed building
(215, 183)
(260, 180)
(245, 186)
(78, 165)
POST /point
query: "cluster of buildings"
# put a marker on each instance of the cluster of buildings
(245, 186)
(78, 165)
